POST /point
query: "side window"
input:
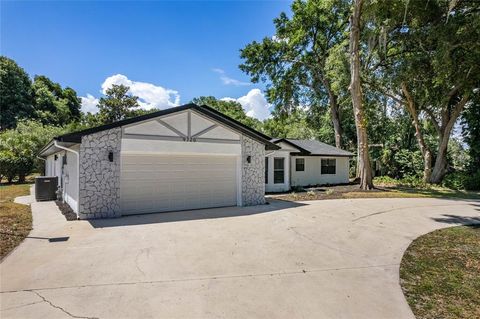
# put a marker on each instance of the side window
(266, 170)
(278, 170)
(329, 166)
(300, 164)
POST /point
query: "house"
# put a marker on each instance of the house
(182, 158)
(305, 163)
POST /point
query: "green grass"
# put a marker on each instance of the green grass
(15, 219)
(433, 191)
(440, 274)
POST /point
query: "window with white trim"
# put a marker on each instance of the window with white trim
(279, 170)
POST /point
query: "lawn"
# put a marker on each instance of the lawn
(381, 191)
(440, 273)
(15, 219)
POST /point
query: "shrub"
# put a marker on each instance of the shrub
(19, 148)
(462, 180)
(472, 181)
(385, 180)
(455, 180)
(407, 181)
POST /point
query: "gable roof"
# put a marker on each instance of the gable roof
(314, 147)
(76, 137)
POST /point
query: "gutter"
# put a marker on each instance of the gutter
(55, 142)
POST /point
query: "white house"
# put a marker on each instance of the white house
(305, 163)
(183, 158)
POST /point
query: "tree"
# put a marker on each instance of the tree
(431, 66)
(294, 126)
(117, 105)
(229, 108)
(295, 61)
(52, 104)
(364, 167)
(19, 147)
(471, 134)
(15, 94)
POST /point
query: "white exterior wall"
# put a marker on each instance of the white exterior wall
(70, 179)
(271, 187)
(67, 178)
(312, 174)
(284, 152)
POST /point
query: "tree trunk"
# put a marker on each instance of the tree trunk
(364, 167)
(440, 168)
(334, 113)
(445, 129)
(21, 178)
(426, 153)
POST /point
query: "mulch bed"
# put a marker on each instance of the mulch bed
(327, 192)
(66, 210)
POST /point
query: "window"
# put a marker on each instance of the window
(328, 166)
(266, 170)
(300, 164)
(278, 170)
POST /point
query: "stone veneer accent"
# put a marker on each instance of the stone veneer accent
(253, 179)
(100, 178)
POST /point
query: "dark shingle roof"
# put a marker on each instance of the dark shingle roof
(313, 147)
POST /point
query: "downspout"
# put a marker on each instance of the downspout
(55, 142)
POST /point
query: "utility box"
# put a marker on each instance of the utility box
(46, 188)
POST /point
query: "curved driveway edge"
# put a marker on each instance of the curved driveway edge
(319, 259)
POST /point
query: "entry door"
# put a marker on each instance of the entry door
(160, 183)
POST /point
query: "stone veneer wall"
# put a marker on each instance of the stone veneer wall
(100, 178)
(253, 179)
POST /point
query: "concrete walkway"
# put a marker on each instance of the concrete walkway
(323, 259)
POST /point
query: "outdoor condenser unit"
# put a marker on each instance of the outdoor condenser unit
(46, 188)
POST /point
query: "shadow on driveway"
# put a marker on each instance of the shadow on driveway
(209, 213)
(454, 219)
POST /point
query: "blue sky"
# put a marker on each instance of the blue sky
(168, 52)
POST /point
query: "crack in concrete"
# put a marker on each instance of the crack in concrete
(402, 208)
(58, 307)
(219, 277)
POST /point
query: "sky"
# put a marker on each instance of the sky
(168, 52)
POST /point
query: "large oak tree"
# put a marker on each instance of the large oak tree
(294, 62)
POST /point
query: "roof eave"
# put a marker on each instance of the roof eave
(76, 137)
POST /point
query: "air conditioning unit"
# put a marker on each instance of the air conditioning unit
(46, 188)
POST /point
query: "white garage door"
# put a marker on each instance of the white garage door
(160, 183)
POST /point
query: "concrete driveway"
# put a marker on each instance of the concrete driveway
(322, 259)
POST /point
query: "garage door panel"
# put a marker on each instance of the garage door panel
(158, 183)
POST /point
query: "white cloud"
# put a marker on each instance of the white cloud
(228, 80)
(89, 104)
(149, 95)
(254, 104)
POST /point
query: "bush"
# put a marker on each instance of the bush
(407, 181)
(462, 180)
(402, 163)
(455, 180)
(472, 182)
(19, 148)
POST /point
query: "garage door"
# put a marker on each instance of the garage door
(160, 183)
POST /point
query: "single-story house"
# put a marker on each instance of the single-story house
(305, 163)
(182, 158)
